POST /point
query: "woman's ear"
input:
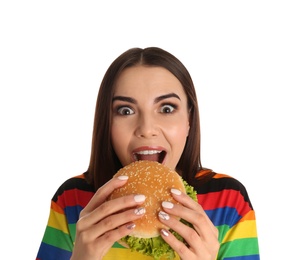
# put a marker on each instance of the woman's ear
(189, 120)
(188, 128)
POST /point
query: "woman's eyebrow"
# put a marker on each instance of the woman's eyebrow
(156, 100)
(126, 99)
(170, 95)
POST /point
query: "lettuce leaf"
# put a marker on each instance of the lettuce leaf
(156, 247)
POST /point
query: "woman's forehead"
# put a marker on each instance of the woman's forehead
(145, 78)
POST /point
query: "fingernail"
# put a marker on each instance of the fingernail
(163, 215)
(175, 191)
(139, 198)
(131, 226)
(167, 205)
(164, 232)
(123, 177)
(139, 211)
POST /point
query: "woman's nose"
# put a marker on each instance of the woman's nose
(147, 127)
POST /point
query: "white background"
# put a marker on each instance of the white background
(53, 55)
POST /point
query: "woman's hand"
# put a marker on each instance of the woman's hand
(202, 239)
(103, 222)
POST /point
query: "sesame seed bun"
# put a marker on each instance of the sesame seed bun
(154, 180)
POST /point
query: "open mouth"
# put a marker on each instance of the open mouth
(150, 155)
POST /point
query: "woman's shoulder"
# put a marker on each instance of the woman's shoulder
(72, 186)
(218, 182)
(223, 187)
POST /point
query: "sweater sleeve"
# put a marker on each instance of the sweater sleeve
(57, 241)
(226, 202)
(59, 236)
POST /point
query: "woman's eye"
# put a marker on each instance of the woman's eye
(124, 111)
(167, 109)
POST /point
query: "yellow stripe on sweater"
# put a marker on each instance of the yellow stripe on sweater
(245, 229)
(58, 221)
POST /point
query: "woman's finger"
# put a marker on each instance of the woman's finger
(192, 212)
(103, 192)
(109, 223)
(194, 246)
(107, 212)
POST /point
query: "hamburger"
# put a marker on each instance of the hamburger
(155, 181)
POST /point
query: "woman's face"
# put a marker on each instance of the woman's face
(150, 119)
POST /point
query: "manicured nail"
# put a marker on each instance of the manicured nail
(139, 211)
(164, 232)
(123, 177)
(175, 191)
(167, 205)
(131, 226)
(163, 215)
(139, 198)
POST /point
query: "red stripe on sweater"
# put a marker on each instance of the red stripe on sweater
(74, 197)
(225, 198)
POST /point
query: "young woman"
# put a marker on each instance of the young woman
(147, 110)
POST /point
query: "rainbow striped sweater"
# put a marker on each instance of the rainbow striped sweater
(224, 199)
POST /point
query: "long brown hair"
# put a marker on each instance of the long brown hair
(104, 162)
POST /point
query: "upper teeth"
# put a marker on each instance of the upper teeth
(148, 152)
